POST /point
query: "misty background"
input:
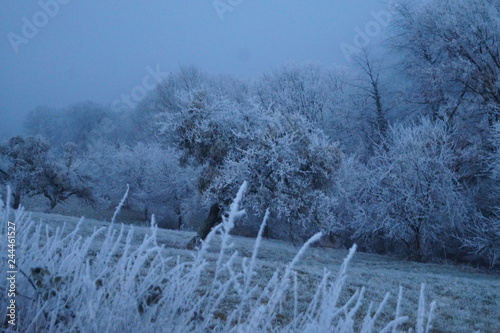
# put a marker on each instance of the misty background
(99, 50)
(348, 118)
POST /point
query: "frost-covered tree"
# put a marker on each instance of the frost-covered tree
(165, 98)
(80, 123)
(157, 184)
(205, 129)
(60, 179)
(451, 53)
(371, 100)
(494, 161)
(169, 96)
(411, 196)
(291, 168)
(289, 163)
(483, 237)
(307, 90)
(349, 187)
(26, 160)
(330, 99)
(32, 170)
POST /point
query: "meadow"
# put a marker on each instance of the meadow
(84, 275)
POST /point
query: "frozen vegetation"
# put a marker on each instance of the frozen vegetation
(398, 155)
(93, 276)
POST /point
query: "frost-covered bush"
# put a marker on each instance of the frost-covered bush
(70, 283)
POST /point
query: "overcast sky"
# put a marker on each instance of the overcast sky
(58, 52)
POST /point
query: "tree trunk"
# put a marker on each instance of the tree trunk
(17, 200)
(178, 211)
(53, 204)
(418, 245)
(179, 222)
(381, 119)
(210, 221)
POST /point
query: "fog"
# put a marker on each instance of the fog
(58, 52)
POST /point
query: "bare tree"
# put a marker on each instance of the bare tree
(371, 70)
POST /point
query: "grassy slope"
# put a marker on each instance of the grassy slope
(468, 300)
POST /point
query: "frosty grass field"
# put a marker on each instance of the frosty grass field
(82, 267)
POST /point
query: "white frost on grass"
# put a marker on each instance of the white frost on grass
(66, 285)
(120, 205)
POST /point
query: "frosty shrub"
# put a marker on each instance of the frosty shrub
(70, 283)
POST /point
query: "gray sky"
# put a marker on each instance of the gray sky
(58, 52)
